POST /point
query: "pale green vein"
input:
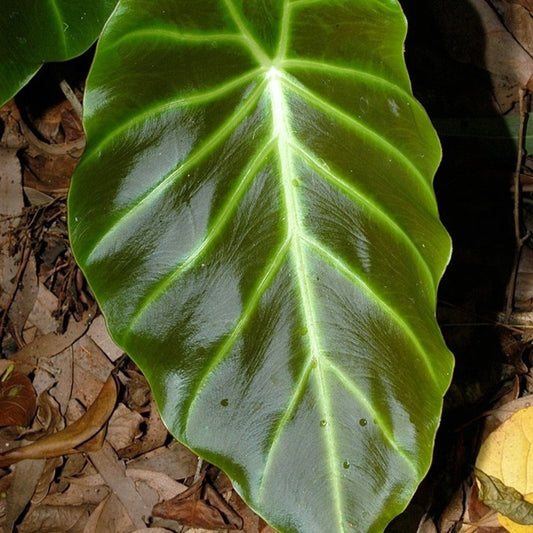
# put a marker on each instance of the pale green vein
(374, 209)
(305, 3)
(292, 404)
(254, 47)
(374, 296)
(194, 99)
(281, 129)
(265, 281)
(198, 154)
(62, 26)
(283, 33)
(218, 225)
(323, 67)
(178, 37)
(373, 414)
(387, 146)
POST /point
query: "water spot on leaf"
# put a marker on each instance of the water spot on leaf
(224, 402)
(346, 465)
(363, 422)
(323, 423)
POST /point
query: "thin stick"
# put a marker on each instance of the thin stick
(519, 239)
(71, 97)
(25, 257)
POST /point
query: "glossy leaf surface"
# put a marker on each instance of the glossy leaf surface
(33, 32)
(255, 214)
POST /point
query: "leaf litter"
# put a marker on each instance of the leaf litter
(82, 446)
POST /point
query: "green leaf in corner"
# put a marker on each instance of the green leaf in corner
(255, 215)
(33, 32)
(506, 500)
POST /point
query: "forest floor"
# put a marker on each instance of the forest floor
(83, 447)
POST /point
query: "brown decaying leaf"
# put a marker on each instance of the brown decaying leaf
(200, 506)
(18, 278)
(175, 460)
(17, 400)
(52, 344)
(69, 439)
(113, 472)
(528, 4)
(25, 480)
(47, 518)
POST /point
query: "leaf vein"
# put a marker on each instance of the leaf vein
(212, 141)
(322, 66)
(366, 131)
(263, 284)
(254, 47)
(177, 36)
(220, 222)
(201, 97)
(372, 413)
(374, 295)
(355, 194)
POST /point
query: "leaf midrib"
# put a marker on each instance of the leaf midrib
(281, 129)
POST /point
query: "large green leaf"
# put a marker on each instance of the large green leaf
(33, 32)
(255, 215)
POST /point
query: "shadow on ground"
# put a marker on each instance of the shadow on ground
(473, 192)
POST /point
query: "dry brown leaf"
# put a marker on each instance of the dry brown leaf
(176, 461)
(110, 517)
(78, 494)
(528, 4)
(124, 427)
(90, 370)
(69, 439)
(267, 529)
(517, 19)
(152, 530)
(163, 485)
(24, 482)
(52, 344)
(46, 480)
(156, 435)
(18, 277)
(252, 523)
(48, 419)
(42, 314)
(17, 400)
(48, 518)
(61, 391)
(113, 472)
(100, 335)
(94, 520)
(200, 506)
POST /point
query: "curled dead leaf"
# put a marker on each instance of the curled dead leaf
(200, 506)
(68, 440)
(17, 399)
(506, 500)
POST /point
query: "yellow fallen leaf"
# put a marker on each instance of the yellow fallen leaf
(507, 454)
